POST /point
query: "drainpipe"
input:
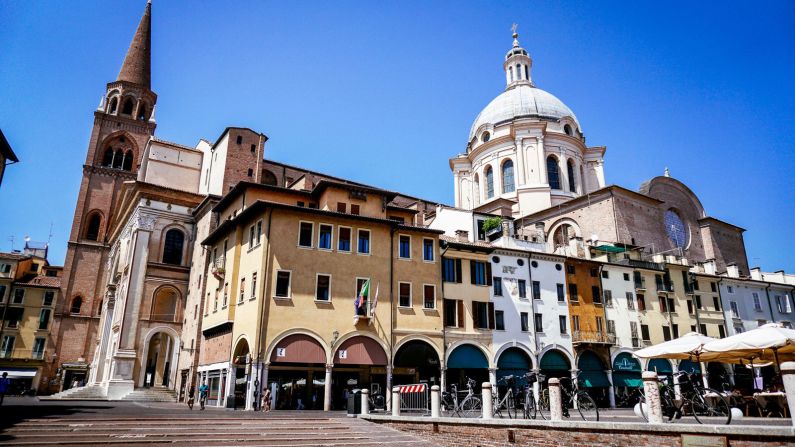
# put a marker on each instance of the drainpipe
(692, 278)
(723, 307)
(443, 369)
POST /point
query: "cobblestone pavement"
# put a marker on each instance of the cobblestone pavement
(26, 421)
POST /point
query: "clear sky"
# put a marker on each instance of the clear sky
(385, 92)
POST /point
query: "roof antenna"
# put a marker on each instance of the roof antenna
(49, 238)
(12, 239)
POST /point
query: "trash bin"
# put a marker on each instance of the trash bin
(355, 402)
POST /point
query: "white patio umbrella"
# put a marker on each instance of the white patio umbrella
(684, 348)
(769, 342)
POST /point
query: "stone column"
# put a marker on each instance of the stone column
(537, 385)
(493, 377)
(677, 388)
(264, 384)
(555, 407)
(365, 401)
(652, 392)
(252, 393)
(457, 189)
(435, 401)
(704, 374)
(327, 389)
(443, 378)
(788, 377)
(396, 401)
(612, 390)
(387, 393)
(231, 376)
(488, 403)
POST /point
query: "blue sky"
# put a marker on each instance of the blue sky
(385, 93)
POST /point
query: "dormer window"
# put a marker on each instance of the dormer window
(567, 129)
(485, 137)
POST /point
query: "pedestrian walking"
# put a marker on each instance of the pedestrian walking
(4, 384)
(203, 390)
(266, 400)
(191, 395)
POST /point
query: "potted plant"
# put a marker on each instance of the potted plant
(492, 225)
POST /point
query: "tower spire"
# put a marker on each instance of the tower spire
(518, 63)
(137, 62)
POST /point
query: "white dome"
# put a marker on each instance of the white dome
(522, 101)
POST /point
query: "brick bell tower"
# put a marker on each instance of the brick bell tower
(123, 123)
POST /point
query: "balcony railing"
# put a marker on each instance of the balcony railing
(593, 337)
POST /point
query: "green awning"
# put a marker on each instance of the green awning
(554, 361)
(627, 379)
(624, 362)
(593, 379)
(660, 366)
(610, 249)
(467, 356)
(513, 359)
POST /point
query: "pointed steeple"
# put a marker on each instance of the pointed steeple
(137, 62)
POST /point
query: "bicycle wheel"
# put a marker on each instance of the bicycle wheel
(587, 407)
(471, 407)
(641, 404)
(711, 406)
(510, 406)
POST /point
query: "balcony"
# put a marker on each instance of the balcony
(579, 337)
(641, 264)
(219, 267)
(640, 285)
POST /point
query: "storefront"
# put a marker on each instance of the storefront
(555, 364)
(74, 375)
(513, 362)
(416, 362)
(627, 376)
(297, 373)
(359, 362)
(23, 380)
(467, 362)
(593, 378)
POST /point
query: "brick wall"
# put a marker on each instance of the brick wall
(216, 348)
(457, 433)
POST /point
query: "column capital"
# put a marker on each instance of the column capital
(329, 367)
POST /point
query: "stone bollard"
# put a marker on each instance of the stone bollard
(555, 407)
(652, 391)
(788, 377)
(435, 401)
(396, 401)
(365, 401)
(488, 403)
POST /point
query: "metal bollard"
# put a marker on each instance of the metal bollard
(365, 401)
(396, 401)
(652, 392)
(788, 377)
(435, 401)
(488, 404)
(555, 408)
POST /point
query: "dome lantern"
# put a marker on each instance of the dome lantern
(518, 64)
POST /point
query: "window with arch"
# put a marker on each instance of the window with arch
(92, 228)
(268, 178)
(107, 158)
(477, 190)
(567, 130)
(172, 247)
(128, 161)
(142, 112)
(572, 179)
(485, 137)
(164, 305)
(489, 182)
(507, 177)
(553, 172)
(77, 304)
(114, 104)
(127, 109)
(526, 72)
(518, 72)
(563, 235)
(118, 159)
(510, 69)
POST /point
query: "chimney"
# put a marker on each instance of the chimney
(506, 228)
(756, 273)
(709, 267)
(462, 235)
(732, 270)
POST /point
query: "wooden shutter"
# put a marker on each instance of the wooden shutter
(472, 271)
(460, 313)
(458, 275)
(488, 273)
(475, 314)
(491, 315)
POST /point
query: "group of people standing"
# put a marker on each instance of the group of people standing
(204, 391)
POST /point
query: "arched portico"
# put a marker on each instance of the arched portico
(299, 371)
(416, 360)
(160, 355)
(467, 360)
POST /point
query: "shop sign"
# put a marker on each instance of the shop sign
(343, 354)
(281, 352)
(625, 364)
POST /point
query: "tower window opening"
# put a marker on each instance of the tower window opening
(118, 159)
(114, 104)
(92, 229)
(518, 72)
(128, 107)
(527, 72)
(77, 303)
(128, 159)
(572, 180)
(511, 70)
(239, 139)
(107, 159)
(142, 112)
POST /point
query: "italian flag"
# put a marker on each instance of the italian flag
(364, 294)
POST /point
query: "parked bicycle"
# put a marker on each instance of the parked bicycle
(469, 406)
(704, 404)
(573, 397)
(509, 402)
(531, 407)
